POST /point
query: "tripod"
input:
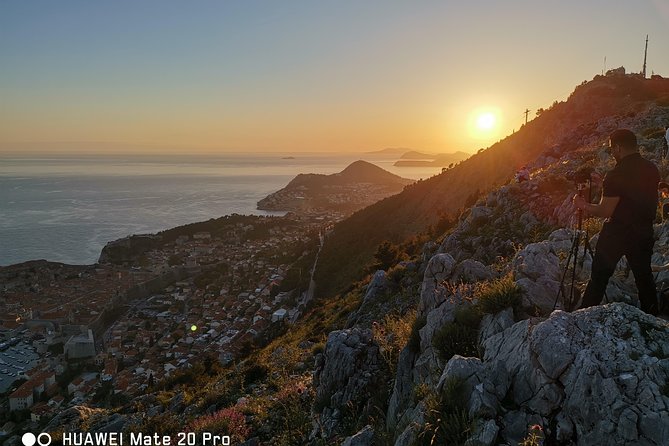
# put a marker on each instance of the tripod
(569, 299)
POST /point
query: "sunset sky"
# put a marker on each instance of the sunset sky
(345, 76)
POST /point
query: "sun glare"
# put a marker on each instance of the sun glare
(486, 121)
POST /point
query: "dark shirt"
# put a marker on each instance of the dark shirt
(634, 180)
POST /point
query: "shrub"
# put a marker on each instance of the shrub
(534, 436)
(387, 255)
(229, 421)
(392, 335)
(499, 294)
(455, 339)
(468, 315)
(447, 419)
(460, 336)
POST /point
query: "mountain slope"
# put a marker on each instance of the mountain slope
(351, 245)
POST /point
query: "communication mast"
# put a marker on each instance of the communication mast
(645, 53)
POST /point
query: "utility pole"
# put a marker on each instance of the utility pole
(645, 53)
(527, 112)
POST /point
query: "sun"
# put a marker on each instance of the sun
(486, 121)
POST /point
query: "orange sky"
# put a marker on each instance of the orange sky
(169, 76)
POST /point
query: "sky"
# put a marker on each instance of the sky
(303, 76)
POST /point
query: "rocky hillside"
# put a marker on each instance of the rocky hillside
(488, 361)
(593, 109)
(358, 185)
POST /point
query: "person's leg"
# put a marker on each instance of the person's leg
(639, 255)
(608, 252)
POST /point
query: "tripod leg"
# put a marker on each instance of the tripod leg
(569, 304)
(574, 244)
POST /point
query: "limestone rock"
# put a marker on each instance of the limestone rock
(375, 290)
(492, 324)
(485, 433)
(439, 269)
(351, 379)
(537, 260)
(597, 372)
(363, 438)
(470, 270)
(402, 389)
(376, 286)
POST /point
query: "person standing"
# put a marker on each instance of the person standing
(629, 202)
(666, 141)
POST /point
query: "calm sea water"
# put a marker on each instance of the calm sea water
(65, 209)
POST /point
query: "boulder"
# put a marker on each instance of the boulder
(470, 270)
(433, 293)
(598, 372)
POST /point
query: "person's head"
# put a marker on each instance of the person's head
(622, 142)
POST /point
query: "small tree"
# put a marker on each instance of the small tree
(387, 255)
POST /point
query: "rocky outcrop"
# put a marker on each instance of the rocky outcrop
(593, 377)
(349, 382)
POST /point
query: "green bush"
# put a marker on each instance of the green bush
(468, 315)
(456, 339)
(499, 294)
(459, 337)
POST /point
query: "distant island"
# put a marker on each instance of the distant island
(389, 151)
(418, 159)
(357, 186)
(414, 158)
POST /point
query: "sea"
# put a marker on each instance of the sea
(66, 208)
(15, 360)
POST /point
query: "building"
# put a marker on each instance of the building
(21, 398)
(24, 397)
(80, 346)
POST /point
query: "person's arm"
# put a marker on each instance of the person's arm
(603, 209)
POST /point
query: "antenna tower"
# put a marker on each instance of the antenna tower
(645, 53)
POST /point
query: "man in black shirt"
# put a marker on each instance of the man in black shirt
(629, 202)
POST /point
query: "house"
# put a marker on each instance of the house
(39, 411)
(21, 398)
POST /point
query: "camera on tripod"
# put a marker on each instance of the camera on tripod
(581, 176)
(582, 179)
